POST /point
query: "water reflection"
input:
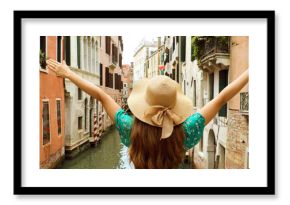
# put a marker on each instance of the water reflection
(109, 154)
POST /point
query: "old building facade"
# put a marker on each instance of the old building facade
(142, 52)
(86, 118)
(225, 140)
(111, 53)
(52, 107)
(203, 73)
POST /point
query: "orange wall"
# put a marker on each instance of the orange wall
(51, 87)
(239, 62)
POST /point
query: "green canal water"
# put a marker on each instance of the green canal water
(108, 154)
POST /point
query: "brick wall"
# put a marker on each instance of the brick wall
(237, 140)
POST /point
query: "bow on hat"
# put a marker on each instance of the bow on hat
(163, 117)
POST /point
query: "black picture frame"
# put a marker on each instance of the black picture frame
(19, 189)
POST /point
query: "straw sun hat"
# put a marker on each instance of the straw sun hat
(159, 101)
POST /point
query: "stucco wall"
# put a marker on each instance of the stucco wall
(51, 88)
(239, 62)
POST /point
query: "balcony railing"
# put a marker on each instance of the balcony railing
(244, 102)
(215, 45)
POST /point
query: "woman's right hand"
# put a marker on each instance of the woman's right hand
(60, 69)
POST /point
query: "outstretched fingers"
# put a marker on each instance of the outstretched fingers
(53, 62)
(51, 67)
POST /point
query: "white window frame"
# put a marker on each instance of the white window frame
(58, 99)
(43, 145)
(40, 68)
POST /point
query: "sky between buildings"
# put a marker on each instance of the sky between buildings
(131, 42)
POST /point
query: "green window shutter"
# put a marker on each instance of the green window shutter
(183, 48)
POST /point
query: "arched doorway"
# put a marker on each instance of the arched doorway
(211, 150)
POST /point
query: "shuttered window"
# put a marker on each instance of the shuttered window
(101, 74)
(183, 48)
(67, 50)
(42, 51)
(107, 77)
(58, 112)
(58, 48)
(108, 45)
(211, 86)
(223, 82)
(45, 123)
(79, 51)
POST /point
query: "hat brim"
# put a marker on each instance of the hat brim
(137, 103)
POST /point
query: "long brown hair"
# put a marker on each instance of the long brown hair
(147, 151)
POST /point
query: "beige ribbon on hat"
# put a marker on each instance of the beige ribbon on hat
(163, 117)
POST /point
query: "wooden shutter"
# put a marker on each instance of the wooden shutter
(223, 82)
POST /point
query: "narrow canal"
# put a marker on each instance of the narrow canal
(108, 154)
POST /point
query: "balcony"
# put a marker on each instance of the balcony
(215, 53)
(244, 103)
(112, 64)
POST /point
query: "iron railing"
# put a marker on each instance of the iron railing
(213, 45)
(244, 102)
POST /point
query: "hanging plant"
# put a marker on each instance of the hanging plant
(42, 59)
(199, 44)
(197, 47)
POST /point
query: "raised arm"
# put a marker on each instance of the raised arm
(211, 108)
(62, 70)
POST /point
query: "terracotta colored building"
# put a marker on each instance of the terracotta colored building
(51, 103)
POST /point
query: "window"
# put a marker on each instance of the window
(120, 60)
(80, 123)
(79, 94)
(116, 81)
(58, 48)
(58, 113)
(223, 82)
(67, 49)
(86, 114)
(79, 51)
(111, 83)
(42, 52)
(114, 54)
(211, 85)
(108, 45)
(45, 123)
(173, 44)
(101, 74)
(183, 48)
(107, 83)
